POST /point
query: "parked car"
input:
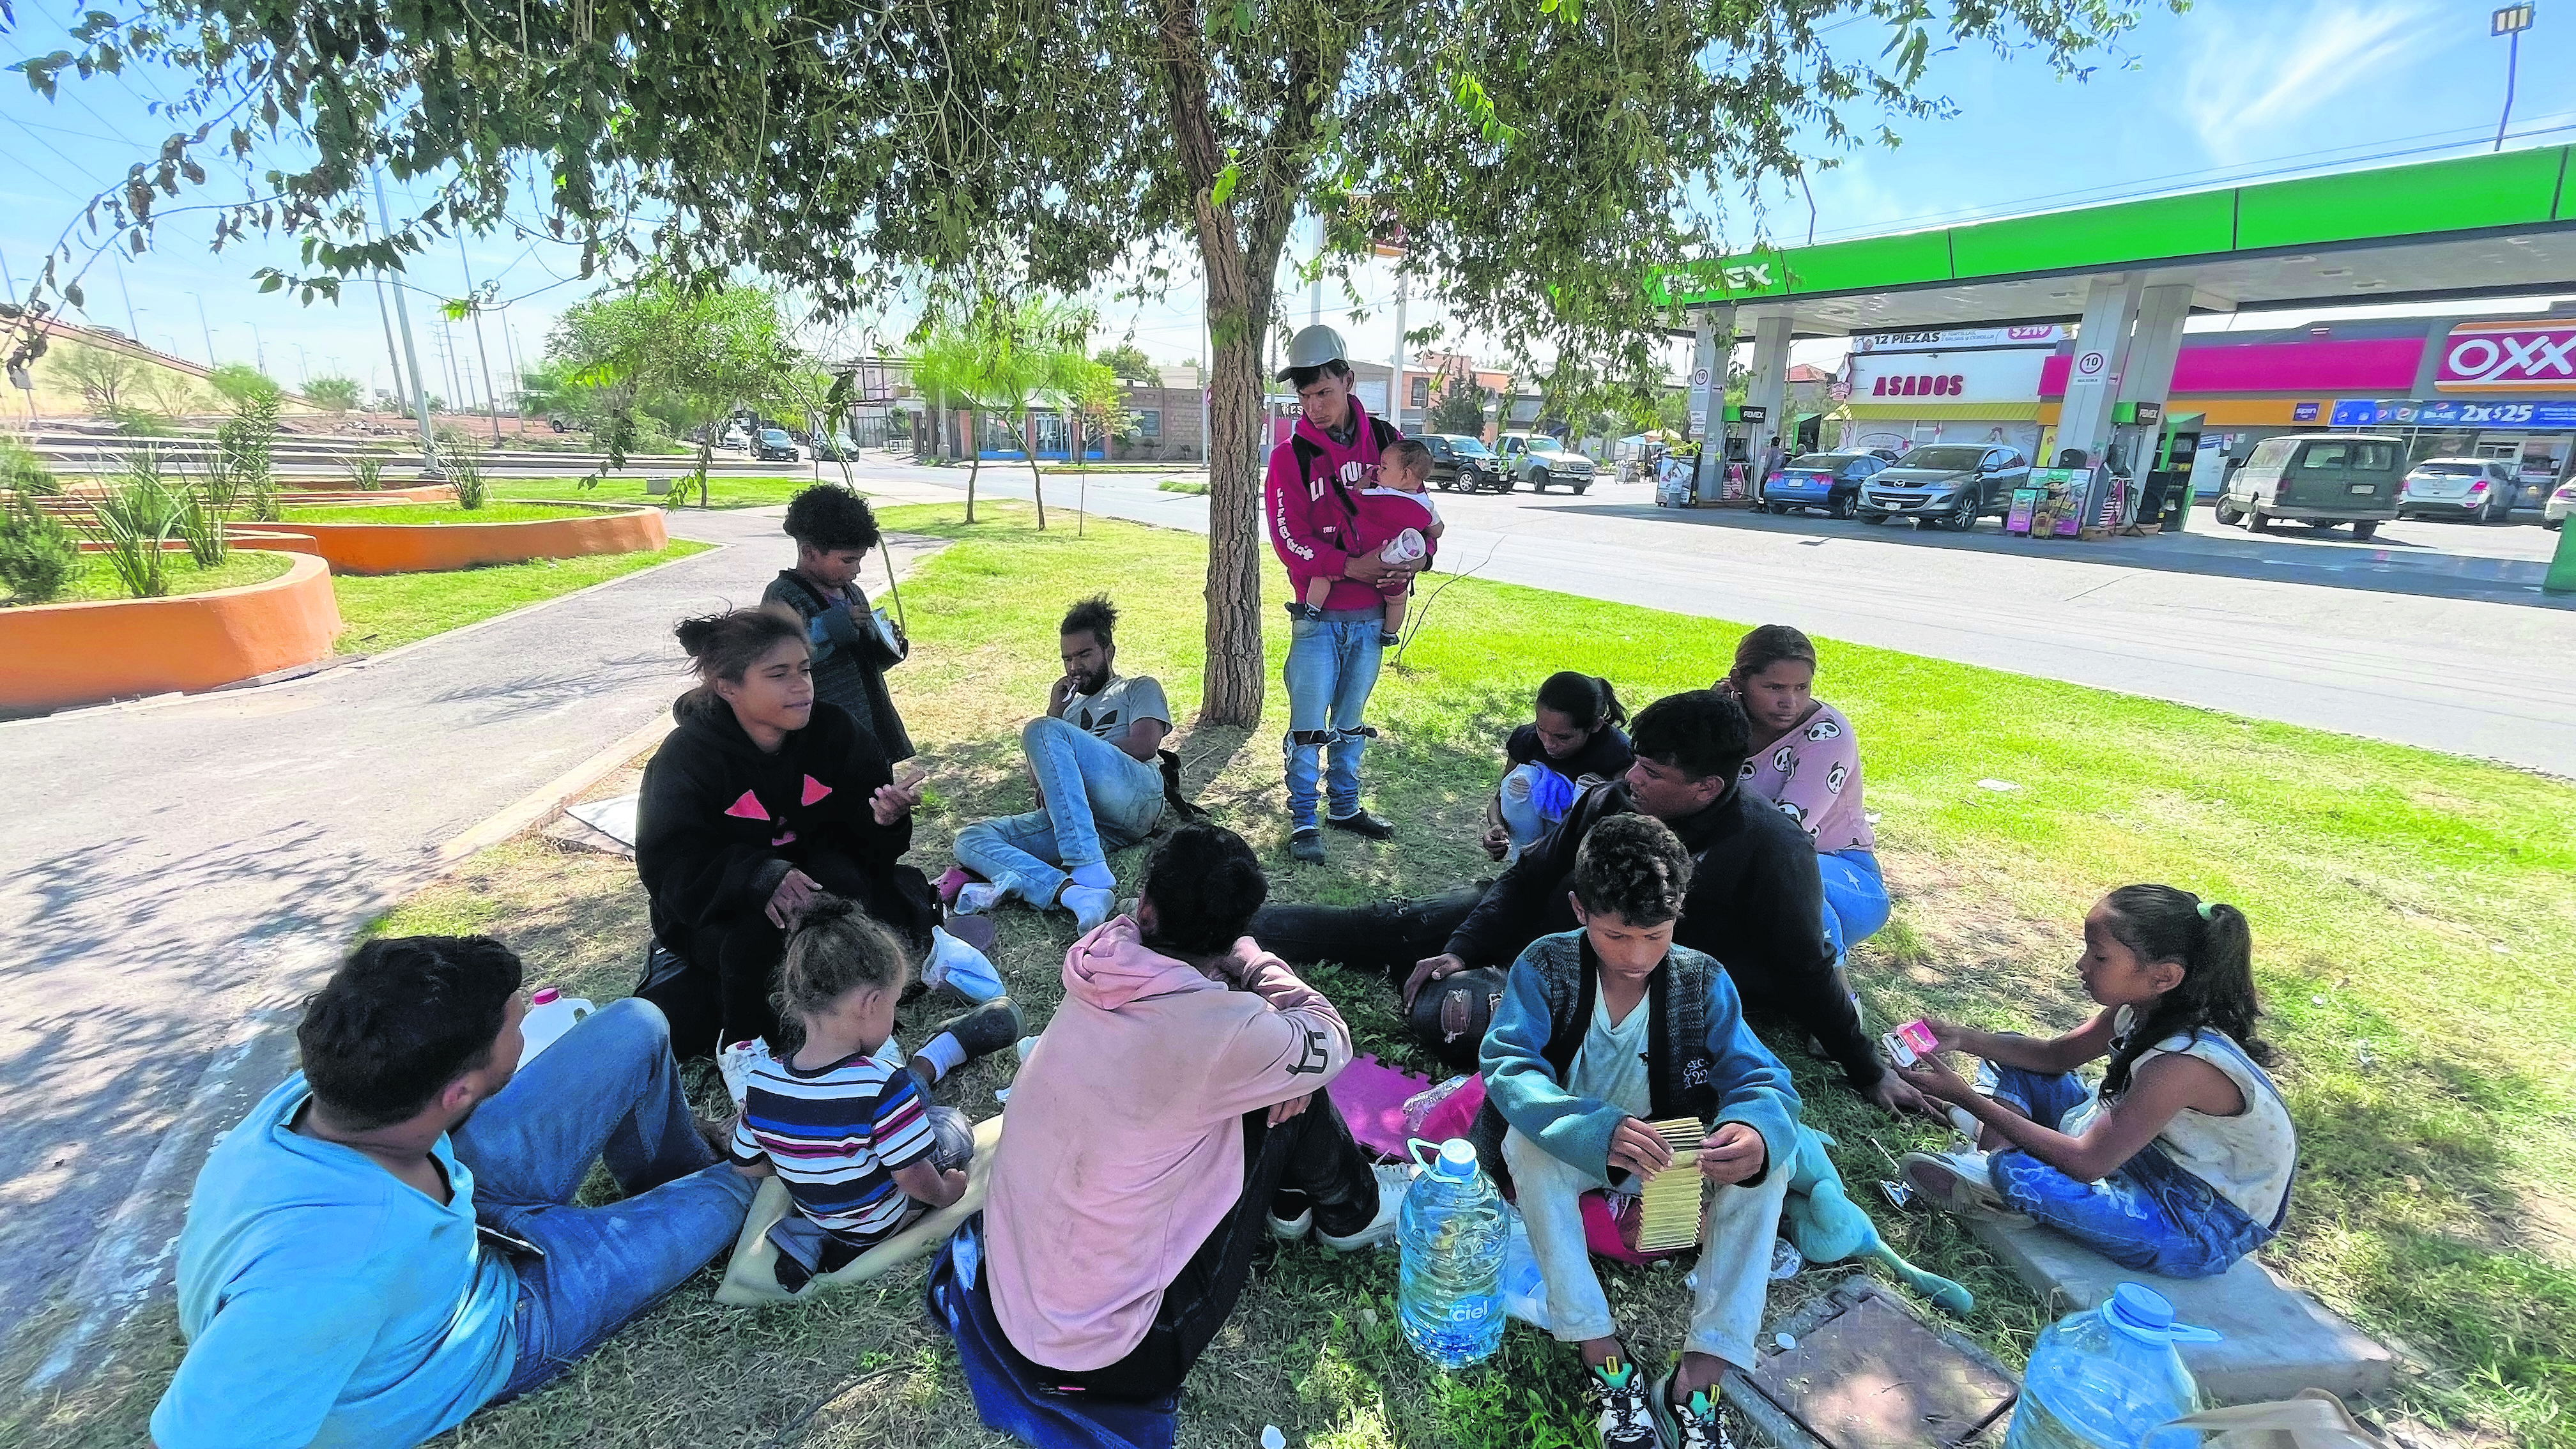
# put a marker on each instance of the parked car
(776, 446)
(2478, 488)
(1459, 462)
(1538, 460)
(2553, 514)
(831, 449)
(1945, 485)
(2319, 479)
(733, 436)
(1885, 455)
(1830, 481)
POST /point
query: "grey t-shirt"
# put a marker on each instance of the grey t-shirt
(1108, 711)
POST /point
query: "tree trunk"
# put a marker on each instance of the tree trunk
(1037, 482)
(1235, 672)
(974, 466)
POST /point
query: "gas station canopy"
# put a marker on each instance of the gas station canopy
(2477, 226)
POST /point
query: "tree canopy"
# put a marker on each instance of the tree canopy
(683, 357)
(1541, 158)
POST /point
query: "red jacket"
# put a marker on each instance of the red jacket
(1311, 499)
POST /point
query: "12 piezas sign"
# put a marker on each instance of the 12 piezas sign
(2507, 357)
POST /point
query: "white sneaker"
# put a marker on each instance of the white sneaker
(734, 1063)
(976, 897)
(1393, 1180)
(1958, 1181)
(1090, 907)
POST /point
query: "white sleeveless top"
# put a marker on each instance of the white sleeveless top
(2247, 1158)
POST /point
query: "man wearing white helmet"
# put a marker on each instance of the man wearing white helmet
(1311, 500)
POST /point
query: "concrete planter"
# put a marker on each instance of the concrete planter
(62, 655)
(410, 548)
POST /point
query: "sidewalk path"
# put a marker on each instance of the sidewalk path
(174, 877)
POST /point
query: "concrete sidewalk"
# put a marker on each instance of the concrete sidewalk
(175, 875)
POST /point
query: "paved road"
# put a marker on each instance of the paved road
(2432, 634)
(172, 875)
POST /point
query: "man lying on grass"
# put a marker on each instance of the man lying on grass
(1601, 1030)
(1755, 901)
(387, 1242)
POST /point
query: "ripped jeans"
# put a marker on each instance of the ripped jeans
(1332, 666)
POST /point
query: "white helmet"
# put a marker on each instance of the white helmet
(1313, 347)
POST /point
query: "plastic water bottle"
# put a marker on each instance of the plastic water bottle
(2107, 1377)
(550, 1015)
(1452, 1233)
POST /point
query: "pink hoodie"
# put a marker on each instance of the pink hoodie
(1122, 1148)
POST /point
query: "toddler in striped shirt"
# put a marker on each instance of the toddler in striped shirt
(857, 1141)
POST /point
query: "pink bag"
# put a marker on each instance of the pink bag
(1608, 1233)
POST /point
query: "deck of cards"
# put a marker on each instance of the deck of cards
(1909, 1043)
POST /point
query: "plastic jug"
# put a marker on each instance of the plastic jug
(1451, 1232)
(2108, 1377)
(550, 1015)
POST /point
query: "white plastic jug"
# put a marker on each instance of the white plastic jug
(550, 1015)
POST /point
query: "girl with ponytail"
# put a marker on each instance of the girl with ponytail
(1573, 743)
(1806, 762)
(2180, 1162)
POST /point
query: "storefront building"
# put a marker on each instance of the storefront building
(1962, 385)
(2498, 387)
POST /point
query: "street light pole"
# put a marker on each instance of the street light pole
(491, 404)
(2510, 22)
(419, 392)
(208, 331)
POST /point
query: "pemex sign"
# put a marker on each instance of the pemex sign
(2507, 357)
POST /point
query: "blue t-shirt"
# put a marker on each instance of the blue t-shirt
(327, 1302)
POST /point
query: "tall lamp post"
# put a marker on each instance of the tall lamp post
(2509, 21)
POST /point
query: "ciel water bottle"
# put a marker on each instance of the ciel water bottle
(1452, 1233)
(2108, 1377)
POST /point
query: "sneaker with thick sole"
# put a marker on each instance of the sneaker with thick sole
(1306, 845)
(1289, 1230)
(1393, 1179)
(985, 1030)
(1362, 823)
(1958, 1181)
(1700, 1424)
(1624, 1403)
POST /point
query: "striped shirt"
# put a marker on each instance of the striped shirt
(837, 1135)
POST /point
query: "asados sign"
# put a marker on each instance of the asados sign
(1919, 385)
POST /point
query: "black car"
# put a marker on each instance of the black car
(1830, 481)
(1945, 485)
(774, 446)
(1461, 463)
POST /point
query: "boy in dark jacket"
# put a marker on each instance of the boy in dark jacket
(1599, 1031)
(834, 528)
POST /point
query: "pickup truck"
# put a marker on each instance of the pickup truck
(1538, 460)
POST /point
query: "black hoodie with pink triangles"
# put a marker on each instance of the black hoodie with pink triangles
(719, 822)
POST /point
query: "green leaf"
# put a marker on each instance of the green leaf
(1226, 181)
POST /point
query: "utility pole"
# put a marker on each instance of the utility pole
(518, 379)
(1395, 368)
(133, 327)
(447, 359)
(210, 332)
(2510, 21)
(491, 404)
(419, 394)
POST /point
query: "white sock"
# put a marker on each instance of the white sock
(1094, 877)
(1089, 907)
(944, 1053)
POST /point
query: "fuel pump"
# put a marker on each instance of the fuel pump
(2168, 491)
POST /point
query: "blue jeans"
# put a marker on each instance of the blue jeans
(607, 1089)
(1855, 897)
(1533, 798)
(1098, 799)
(1332, 666)
(2148, 1214)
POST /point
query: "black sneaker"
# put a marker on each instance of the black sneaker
(1306, 845)
(1699, 1424)
(1360, 822)
(1618, 1390)
(984, 1030)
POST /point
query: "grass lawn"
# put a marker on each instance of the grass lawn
(390, 610)
(429, 513)
(99, 582)
(721, 492)
(2410, 911)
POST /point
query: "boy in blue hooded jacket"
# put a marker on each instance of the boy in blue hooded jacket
(1599, 1031)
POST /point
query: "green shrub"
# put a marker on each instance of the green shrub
(366, 472)
(22, 472)
(135, 516)
(463, 465)
(39, 557)
(241, 464)
(239, 382)
(201, 523)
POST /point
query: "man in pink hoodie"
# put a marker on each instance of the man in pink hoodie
(1310, 500)
(1171, 1112)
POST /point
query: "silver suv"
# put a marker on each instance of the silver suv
(2478, 488)
(1538, 460)
(1945, 485)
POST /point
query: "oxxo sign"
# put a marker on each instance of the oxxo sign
(2507, 357)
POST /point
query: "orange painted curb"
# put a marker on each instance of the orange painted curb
(70, 654)
(411, 548)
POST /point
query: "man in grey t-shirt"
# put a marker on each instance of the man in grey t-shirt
(1093, 755)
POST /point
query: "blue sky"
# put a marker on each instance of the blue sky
(2231, 89)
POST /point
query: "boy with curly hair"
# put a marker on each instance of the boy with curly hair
(834, 528)
(1601, 1030)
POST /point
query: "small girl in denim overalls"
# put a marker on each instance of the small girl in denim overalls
(2180, 1163)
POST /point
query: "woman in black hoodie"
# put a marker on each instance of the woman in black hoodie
(761, 801)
